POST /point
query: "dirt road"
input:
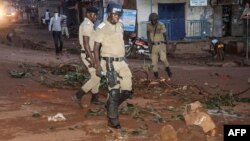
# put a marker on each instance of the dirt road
(26, 104)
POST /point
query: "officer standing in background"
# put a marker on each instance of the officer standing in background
(109, 40)
(86, 39)
(157, 39)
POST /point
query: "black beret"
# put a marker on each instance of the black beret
(92, 9)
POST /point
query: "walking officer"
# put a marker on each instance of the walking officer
(109, 40)
(86, 39)
(157, 38)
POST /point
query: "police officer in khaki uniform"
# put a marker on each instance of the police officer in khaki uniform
(109, 40)
(86, 39)
(156, 33)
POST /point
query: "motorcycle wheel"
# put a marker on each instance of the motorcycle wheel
(128, 50)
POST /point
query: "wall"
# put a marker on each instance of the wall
(143, 11)
(217, 23)
(237, 23)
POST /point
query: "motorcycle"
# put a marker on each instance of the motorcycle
(217, 48)
(137, 46)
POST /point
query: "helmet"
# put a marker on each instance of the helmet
(153, 16)
(114, 8)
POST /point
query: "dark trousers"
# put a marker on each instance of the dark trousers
(57, 36)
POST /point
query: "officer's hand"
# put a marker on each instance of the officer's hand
(92, 62)
(98, 70)
(87, 55)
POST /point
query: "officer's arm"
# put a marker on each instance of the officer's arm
(97, 47)
(87, 49)
(148, 35)
(164, 32)
(64, 17)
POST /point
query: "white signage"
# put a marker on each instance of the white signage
(198, 2)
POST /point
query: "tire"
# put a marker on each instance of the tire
(128, 50)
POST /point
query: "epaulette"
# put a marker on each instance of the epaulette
(101, 25)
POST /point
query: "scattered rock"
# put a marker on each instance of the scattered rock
(196, 115)
(57, 117)
(27, 103)
(153, 83)
(168, 133)
(184, 88)
(201, 119)
(36, 114)
(191, 133)
(192, 107)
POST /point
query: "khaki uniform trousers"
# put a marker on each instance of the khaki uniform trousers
(124, 73)
(94, 82)
(159, 50)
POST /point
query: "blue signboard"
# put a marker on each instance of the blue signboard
(128, 19)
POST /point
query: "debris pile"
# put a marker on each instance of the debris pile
(198, 125)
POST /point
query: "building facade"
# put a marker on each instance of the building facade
(186, 19)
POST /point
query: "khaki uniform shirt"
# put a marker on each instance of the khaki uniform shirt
(86, 29)
(111, 38)
(156, 35)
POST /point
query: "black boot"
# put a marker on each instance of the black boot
(168, 72)
(112, 109)
(95, 100)
(156, 75)
(78, 97)
(124, 95)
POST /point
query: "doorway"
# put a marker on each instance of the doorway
(173, 16)
(226, 20)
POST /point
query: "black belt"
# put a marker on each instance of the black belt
(158, 43)
(119, 59)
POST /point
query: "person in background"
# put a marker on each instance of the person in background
(55, 26)
(47, 17)
(65, 31)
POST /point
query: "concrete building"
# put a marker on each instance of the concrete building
(193, 19)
